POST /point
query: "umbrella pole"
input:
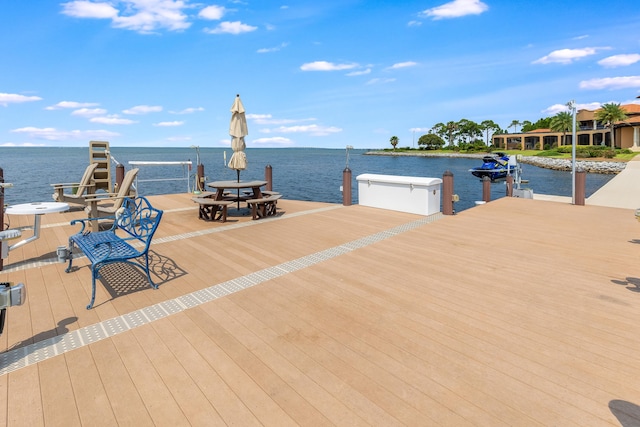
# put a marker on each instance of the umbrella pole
(238, 172)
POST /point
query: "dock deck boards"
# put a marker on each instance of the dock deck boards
(517, 312)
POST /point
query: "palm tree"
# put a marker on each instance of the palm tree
(514, 124)
(446, 130)
(562, 122)
(489, 126)
(394, 141)
(451, 128)
(610, 114)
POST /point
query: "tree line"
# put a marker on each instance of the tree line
(469, 135)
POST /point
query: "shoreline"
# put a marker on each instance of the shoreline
(604, 167)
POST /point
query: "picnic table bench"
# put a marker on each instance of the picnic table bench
(263, 207)
(127, 240)
(211, 209)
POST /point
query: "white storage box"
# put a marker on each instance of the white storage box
(412, 194)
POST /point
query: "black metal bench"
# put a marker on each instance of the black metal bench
(263, 207)
(128, 238)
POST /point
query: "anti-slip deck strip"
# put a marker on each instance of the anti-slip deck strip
(13, 360)
(24, 265)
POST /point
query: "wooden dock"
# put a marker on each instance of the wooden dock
(518, 312)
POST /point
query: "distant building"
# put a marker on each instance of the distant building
(588, 132)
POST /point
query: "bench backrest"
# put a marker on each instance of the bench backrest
(138, 219)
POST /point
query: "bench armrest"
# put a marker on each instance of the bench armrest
(84, 221)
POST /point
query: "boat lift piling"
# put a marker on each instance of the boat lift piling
(486, 189)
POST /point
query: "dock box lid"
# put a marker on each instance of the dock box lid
(396, 179)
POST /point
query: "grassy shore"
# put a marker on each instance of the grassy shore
(620, 157)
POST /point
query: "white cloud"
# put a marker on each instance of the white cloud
(25, 144)
(89, 9)
(278, 141)
(188, 110)
(71, 104)
(169, 124)
(13, 98)
(272, 49)
(414, 23)
(558, 108)
(144, 16)
(378, 81)
(326, 66)
(419, 129)
(611, 83)
(226, 27)
(620, 60)
(455, 9)
(112, 120)
(89, 112)
(258, 116)
(403, 65)
(267, 119)
(359, 73)
(143, 109)
(212, 13)
(315, 130)
(566, 56)
(52, 134)
(555, 109)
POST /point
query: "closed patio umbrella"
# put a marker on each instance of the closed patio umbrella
(238, 130)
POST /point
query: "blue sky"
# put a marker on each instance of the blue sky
(310, 73)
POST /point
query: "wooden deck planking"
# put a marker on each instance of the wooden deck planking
(416, 327)
(157, 398)
(267, 318)
(91, 398)
(260, 401)
(59, 404)
(24, 401)
(126, 403)
(338, 326)
(221, 397)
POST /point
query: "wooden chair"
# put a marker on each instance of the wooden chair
(106, 204)
(84, 188)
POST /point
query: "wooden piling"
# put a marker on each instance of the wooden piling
(268, 176)
(447, 193)
(346, 187)
(581, 179)
(486, 189)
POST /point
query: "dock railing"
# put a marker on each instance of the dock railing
(185, 165)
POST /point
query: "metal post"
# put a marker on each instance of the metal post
(268, 176)
(486, 189)
(200, 174)
(580, 183)
(447, 193)
(572, 106)
(346, 187)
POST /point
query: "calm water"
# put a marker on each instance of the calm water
(298, 173)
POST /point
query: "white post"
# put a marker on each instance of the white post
(572, 107)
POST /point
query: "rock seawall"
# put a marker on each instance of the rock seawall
(581, 165)
(605, 167)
